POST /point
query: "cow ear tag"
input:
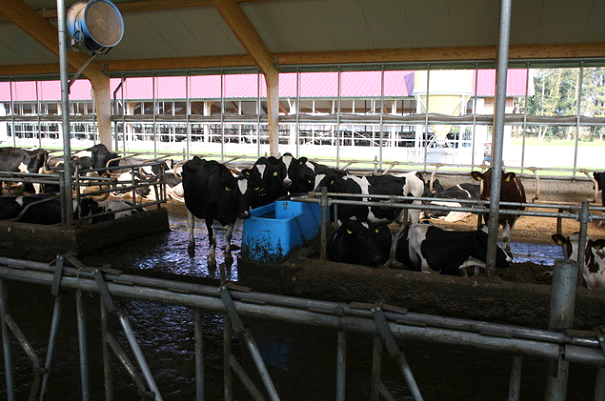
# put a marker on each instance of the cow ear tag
(349, 231)
(228, 188)
(275, 174)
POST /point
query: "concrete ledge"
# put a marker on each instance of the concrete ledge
(43, 243)
(491, 300)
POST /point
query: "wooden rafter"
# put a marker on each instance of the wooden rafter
(244, 31)
(562, 51)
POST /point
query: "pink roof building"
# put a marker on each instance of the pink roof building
(366, 84)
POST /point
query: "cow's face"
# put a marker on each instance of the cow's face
(486, 181)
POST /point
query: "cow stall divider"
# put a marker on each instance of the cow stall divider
(100, 184)
(388, 325)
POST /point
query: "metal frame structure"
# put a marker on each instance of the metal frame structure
(388, 325)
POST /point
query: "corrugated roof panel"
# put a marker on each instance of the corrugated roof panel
(171, 88)
(138, 88)
(205, 86)
(312, 84)
(322, 84)
(515, 83)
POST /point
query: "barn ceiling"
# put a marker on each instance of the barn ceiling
(189, 35)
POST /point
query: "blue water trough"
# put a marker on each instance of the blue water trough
(274, 230)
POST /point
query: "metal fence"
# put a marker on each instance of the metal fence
(387, 325)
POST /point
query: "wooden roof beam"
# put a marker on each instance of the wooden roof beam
(244, 31)
(553, 51)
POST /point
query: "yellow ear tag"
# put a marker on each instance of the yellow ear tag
(349, 231)
(507, 178)
(228, 189)
(275, 174)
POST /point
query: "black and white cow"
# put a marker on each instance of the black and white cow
(46, 209)
(23, 161)
(463, 191)
(371, 185)
(593, 266)
(268, 173)
(301, 173)
(96, 157)
(427, 248)
(511, 190)
(360, 242)
(213, 193)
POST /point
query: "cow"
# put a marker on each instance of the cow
(46, 209)
(593, 264)
(599, 178)
(23, 161)
(213, 193)
(371, 185)
(268, 173)
(97, 157)
(301, 173)
(511, 190)
(408, 184)
(105, 210)
(360, 242)
(428, 248)
(462, 191)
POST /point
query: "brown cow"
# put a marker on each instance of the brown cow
(511, 190)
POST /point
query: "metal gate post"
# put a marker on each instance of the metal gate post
(599, 391)
(82, 343)
(8, 361)
(563, 293)
(514, 387)
(106, 355)
(132, 341)
(376, 368)
(324, 223)
(54, 326)
(393, 349)
(341, 365)
(239, 327)
(199, 355)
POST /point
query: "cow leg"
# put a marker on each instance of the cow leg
(190, 227)
(211, 245)
(228, 235)
(393, 253)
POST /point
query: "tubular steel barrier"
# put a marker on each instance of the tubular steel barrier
(386, 324)
(580, 212)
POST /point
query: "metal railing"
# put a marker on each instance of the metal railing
(386, 324)
(102, 184)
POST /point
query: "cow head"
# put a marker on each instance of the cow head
(486, 181)
(360, 242)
